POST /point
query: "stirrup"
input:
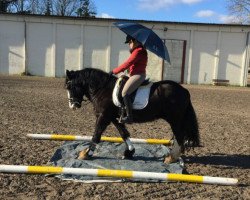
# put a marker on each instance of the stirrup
(126, 120)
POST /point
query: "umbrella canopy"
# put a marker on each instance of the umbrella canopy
(146, 36)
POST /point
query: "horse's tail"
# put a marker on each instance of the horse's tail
(191, 128)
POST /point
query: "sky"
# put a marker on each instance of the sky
(197, 11)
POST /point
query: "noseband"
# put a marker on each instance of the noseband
(74, 102)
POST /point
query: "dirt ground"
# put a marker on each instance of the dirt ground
(39, 105)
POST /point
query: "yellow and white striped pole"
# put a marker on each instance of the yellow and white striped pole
(117, 174)
(88, 139)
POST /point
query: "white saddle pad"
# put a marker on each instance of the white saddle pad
(141, 97)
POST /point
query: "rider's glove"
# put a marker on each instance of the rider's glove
(111, 73)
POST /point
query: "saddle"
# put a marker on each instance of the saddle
(139, 97)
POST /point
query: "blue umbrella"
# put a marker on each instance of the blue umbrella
(146, 36)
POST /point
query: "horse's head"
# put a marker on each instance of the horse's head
(75, 89)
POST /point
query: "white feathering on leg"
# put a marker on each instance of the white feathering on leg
(130, 145)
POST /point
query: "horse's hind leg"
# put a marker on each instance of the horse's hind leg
(130, 150)
(177, 148)
(174, 153)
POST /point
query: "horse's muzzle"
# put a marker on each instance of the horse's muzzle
(74, 105)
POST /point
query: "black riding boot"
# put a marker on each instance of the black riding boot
(128, 106)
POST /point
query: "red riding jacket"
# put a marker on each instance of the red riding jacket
(136, 63)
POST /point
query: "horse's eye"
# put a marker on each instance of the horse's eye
(68, 85)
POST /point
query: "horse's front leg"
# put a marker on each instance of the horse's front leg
(130, 150)
(100, 126)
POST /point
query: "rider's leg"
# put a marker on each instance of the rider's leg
(128, 107)
(131, 85)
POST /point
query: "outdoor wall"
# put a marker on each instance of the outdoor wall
(47, 46)
(203, 60)
(173, 71)
(232, 56)
(69, 53)
(12, 52)
(39, 49)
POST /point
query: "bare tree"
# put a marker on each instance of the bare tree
(241, 9)
(87, 9)
(83, 8)
(4, 5)
(42, 7)
(19, 6)
(65, 7)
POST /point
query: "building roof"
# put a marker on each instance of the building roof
(119, 19)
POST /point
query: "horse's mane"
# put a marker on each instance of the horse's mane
(95, 78)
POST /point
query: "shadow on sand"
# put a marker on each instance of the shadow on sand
(222, 160)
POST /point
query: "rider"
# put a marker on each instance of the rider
(136, 64)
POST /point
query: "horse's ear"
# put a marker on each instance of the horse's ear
(68, 74)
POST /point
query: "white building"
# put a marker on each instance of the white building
(47, 45)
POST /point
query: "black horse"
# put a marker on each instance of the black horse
(168, 100)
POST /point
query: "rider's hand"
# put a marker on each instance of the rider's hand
(111, 73)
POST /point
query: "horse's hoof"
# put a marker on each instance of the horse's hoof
(169, 159)
(83, 155)
(128, 154)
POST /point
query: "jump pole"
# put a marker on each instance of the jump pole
(117, 174)
(88, 139)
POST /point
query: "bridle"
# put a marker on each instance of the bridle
(87, 102)
(70, 99)
(93, 98)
